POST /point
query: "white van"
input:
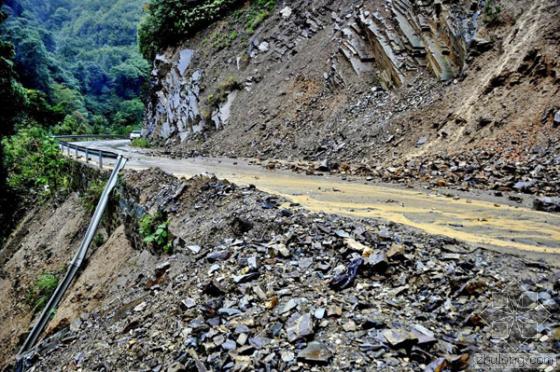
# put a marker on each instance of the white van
(135, 134)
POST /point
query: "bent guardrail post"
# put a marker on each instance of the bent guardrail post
(75, 265)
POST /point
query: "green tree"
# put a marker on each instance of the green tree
(88, 47)
(35, 163)
(74, 123)
(128, 79)
(169, 21)
(130, 113)
(12, 101)
(66, 100)
(32, 63)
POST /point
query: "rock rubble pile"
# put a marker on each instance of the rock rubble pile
(292, 290)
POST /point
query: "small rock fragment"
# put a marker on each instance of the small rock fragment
(377, 261)
(315, 352)
(395, 252)
(195, 249)
(547, 204)
(345, 279)
(286, 12)
(140, 307)
(299, 327)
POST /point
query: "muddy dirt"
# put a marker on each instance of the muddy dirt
(43, 243)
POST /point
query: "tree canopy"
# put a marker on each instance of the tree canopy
(169, 21)
(82, 55)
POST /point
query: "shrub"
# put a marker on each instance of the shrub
(34, 162)
(98, 240)
(491, 12)
(154, 230)
(42, 289)
(141, 142)
(169, 21)
(91, 196)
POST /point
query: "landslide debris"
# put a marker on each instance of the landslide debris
(462, 93)
(256, 283)
(453, 92)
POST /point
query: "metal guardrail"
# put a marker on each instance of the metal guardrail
(81, 136)
(76, 263)
(87, 151)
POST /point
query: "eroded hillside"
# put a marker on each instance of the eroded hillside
(465, 91)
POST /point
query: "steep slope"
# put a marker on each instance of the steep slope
(375, 83)
(43, 244)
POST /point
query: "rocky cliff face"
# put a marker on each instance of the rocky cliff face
(388, 41)
(175, 107)
(372, 81)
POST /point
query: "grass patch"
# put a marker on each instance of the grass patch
(255, 19)
(154, 230)
(41, 292)
(259, 12)
(224, 88)
(141, 143)
(91, 196)
(220, 39)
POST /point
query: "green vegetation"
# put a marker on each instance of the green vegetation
(220, 40)
(260, 11)
(79, 62)
(42, 289)
(34, 163)
(171, 21)
(91, 196)
(12, 101)
(154, 230)
(98, 240)
(66, 66)
(491, 12)
(141, 142)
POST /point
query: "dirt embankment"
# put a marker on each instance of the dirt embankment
(254, 282)
(38, 252)
(42, 244)
(299, 95)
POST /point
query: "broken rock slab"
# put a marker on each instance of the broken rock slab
(547, 204)
(286, 12)
(299, 326)
(398, 337)
(315, 352)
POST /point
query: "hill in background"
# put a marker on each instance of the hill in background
(81, 61)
